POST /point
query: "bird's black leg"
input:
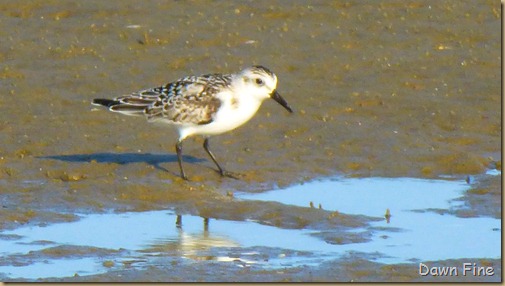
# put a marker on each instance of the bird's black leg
(221, 171)
(178, 149)
(178, 222)
(206, 224)
(206, 147)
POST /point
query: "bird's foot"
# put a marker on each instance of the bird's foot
(236, 176)
(184, 177)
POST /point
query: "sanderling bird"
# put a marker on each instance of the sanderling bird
(204, 105)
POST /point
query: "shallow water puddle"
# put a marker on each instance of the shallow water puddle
(99, 242)
(149, 234)
(52, 268)
(420, 233)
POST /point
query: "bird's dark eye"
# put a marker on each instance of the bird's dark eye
(259, 81)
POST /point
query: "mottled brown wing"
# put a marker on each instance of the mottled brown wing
(189, 100)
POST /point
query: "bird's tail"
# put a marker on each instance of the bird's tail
(105, 102)
(121, 107)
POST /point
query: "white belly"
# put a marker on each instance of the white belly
(230, 115)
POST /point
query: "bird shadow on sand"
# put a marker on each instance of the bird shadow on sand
(124, 158)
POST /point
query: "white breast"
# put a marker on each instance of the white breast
(233, 112)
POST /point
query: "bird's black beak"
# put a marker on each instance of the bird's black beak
(277, 97)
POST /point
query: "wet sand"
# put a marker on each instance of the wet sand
(386, 89)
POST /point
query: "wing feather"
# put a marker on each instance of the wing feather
(190, 100)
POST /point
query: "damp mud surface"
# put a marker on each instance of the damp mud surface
(395, 139)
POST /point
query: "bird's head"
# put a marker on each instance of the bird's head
(262, 83)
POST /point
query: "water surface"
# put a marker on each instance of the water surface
(417, 230)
